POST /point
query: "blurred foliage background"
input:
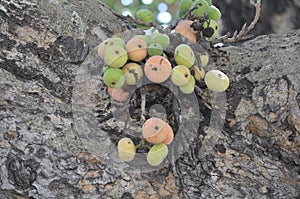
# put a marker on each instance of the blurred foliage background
(163, 10)
(276, 15)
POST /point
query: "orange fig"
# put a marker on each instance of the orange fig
(184, 28)
(155, 130)
(136, 49)
(157, 69)
(170, 135)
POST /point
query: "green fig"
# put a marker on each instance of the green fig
(203, 7)
(180, 75)
(114, 77)
(157, 154)
(184, 55)
(155, 49)
(189, 87)
(216, 80)
(114, 41)
(115, 56)
(162, 39)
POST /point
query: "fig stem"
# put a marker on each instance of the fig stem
(147, 145)
(142, 143)
(143, 104)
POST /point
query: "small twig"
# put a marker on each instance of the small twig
(221, 39)
(143, 104)
(243, 34)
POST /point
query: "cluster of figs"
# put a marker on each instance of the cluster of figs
(143, 55)
(128, 62)
(156, 132)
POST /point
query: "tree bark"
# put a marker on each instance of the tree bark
(46, 49)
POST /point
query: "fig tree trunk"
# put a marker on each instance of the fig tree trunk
(54, 124)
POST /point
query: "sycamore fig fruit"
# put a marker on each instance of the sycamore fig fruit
(144, 15)
(216, 80)
(180, 75)
(157, 154)
(189, 87)
(184, 28)
(184, 5)
(126, 149)
(118, 94)
(214, 13)
(114, 41)
(162, 39)
(115, 56)
(133, 72)
(155, 49)
(136, 49)
(170, 136)
(184, 55)
(114, 77)
(157, 69)
(145, 38)
(203, 7)
(212, 24)
(155, 130)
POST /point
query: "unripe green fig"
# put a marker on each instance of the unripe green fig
(114, 41)
(189, 87)
(216, 80)
(155, 49)
(145, 15)
(180, 75)
(184, 55)
(212, 24)
(114, 77)
(115, 56)
(133, 72)
(157, 154)
(202, 8)
(214, 13)
(145, 38)
(185, 5)
(126, 149)
(162, 39)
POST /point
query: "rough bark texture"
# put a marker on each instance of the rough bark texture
(276, 16)
(43, 45)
